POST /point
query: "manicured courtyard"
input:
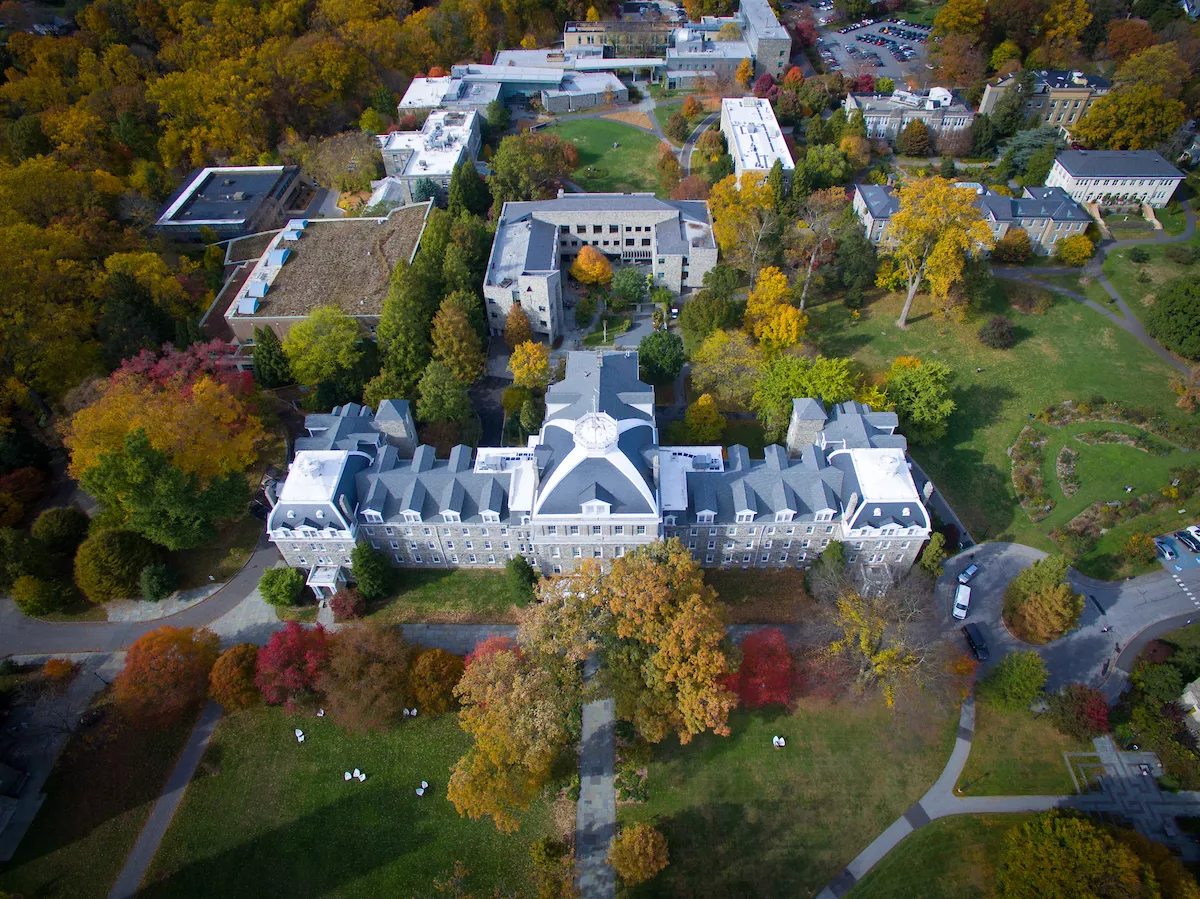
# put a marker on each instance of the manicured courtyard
(951, 858)
(612, 156)
(745, 819)
(1069, 352)
(266, 816)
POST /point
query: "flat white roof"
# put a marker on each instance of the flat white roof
(674, 462)
(440, 144)
(586, 83)
(757, 140)
(313, 476)
(883, 476)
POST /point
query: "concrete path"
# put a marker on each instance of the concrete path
(1127, 320)
(164, 810)
(689, 145)
(596, 812)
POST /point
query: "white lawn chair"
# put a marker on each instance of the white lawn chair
(413, 712)
(320, 713)
(406, 713)
(424, 785)
(420, 791)
(361, 777)
(782, 743)
(348, 775)
(299, 735)
(357, 772)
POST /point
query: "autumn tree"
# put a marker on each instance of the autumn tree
(705, 423)
(527, 166)
(965, 17)
(365, 684)
(1039, 603)
(166, 672)
(591, 267)
(456, 342)
(517, 712)
(516, 327)
(1136, 118)
(745, 71)
(289, 666)
(691, 106)
(1064, 854)
(822, 215)
(914, 139)
(108, 565)
(231, 681)
(1075, 250)
(1127, 37)
(958, 62)
(936, 228)
(670, 172)
(1016, 681)
(1014, 246)
(784, 378)
(1061, 28)
(432, 679)
(530, 365)
(767, 675)
(746, 222)
(1080, 711)
(727, 367)
(1158, 67)
(638, 852)
(921, 393)
(323, 346)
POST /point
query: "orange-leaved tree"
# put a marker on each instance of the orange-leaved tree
(591, 267)
(432, 679)
(366, 682)
(231, 682)
(166, 672)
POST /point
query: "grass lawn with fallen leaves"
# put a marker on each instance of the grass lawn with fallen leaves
(629, 166)
(450, 596)
(1016, 754)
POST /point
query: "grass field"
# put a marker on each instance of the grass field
(1069, 352)
(628, 166)
(754, 597)
(266, 816)
(97, 801)
(744, 819)
(1123, 273)
(1091, 289)
(448, 596)
(953, 858)
(1015, 754)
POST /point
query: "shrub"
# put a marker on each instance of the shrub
(157, 581)
(768, 671)
(108, 565)
(432, 679)
(61, 529)
(637, 853)
(933, 554)
(347, 605)
(231, 681)
(1016, 682)
(1139, 548)
(373, 576)
(1182, 254)
(18, 490)
(1013, 247)
(998, 333)
(1075, 250)
(287, 668)
(1080, 711)
(1139, 255)
(553, 866)
(366, 681)
(59, 671)
(281, 586)
(166, 672)
(513, 398)
(677, 127)
(521, 577)
(36, 596)
(1161, 682)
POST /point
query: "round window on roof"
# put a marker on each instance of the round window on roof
(878, 511)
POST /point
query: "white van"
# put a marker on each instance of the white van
(962, 601)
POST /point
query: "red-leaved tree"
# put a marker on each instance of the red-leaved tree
(290, 663)
(173, 368)
(1080, 711)
(166, 672)
(490, 646)
(768, 672)
(863, 84)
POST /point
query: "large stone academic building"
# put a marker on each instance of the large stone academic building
(595, 483)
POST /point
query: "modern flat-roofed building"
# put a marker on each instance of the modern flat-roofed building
(696, 55)
(559, 88)
(583, 90)
(345, 262)
(886, 115)
(448, 93)
(447, 138)
(619, 37)
(754, 137)
(1047, 214)
(230, 201)
(536, 241)
(769, 41)
(1115, 177)
(595, 483)
(1061, 98)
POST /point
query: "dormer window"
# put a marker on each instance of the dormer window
(450, 516)
(705, 517)
(669, 521)
(411, 516)
(785, 515)
(743, 517)
(595, 509)
(492, 517)
(906, 511)
(826, 515)
(373, 516)
(878, 511)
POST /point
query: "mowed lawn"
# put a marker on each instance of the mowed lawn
(744, 819)
(1070, 352)
(1123, 273)
(267, 816)
(1016, 754)
(629, 166)
(449, 596)
(952, 858)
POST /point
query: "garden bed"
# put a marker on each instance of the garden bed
(1064, 469)
(1143, 441)
(1027, 456)
(1099, 409)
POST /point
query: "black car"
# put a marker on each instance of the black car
(976, 641)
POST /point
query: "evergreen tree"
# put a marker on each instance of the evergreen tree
(776, 183)
(424, 190)
(983, 135)
(271, 367)
(468, 192)
(442, 396)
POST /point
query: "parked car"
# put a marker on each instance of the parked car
(967, 573)
(1165, 549)
(1188, 540)
(962, 601)
(976, 641)
(1194, 531)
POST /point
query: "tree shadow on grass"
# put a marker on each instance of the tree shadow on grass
(318, 854)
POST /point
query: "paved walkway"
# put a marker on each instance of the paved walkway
(147, 844)
(1127, 320)
(596, 812)
(689, 145)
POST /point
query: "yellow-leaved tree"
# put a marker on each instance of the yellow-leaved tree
(936, 228)
(591, 267)
(745, 218)
(769, 313)
(745, 71)
(530, 365)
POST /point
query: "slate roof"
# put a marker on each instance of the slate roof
(1116, 164)
(881, 200)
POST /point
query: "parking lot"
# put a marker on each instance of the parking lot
(887, 48)
(1182, 560)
